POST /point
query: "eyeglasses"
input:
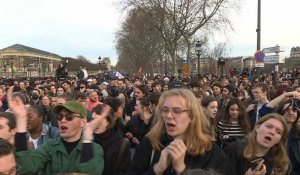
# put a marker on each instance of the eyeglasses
(69, 116)
(174, 111)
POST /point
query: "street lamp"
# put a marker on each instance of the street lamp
(198, 49)
(99, 58)
(12, 67)
(221, 63)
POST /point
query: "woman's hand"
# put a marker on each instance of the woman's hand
(177, 151)
(260, 169)
(163, 163)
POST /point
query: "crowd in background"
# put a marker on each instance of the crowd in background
(237, 124)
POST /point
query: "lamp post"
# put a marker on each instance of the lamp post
(12, 68)
(221, 63)
(99, 59)
(198, 49)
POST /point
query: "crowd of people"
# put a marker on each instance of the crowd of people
(96, 125)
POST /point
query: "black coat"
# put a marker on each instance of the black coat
(111, 142)
(213, 159)
(294, 153)
(138, 128)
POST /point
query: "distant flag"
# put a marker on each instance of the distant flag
(119, 75)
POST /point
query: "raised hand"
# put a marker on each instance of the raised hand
(17, 106)
(95, 123)
(91, 126)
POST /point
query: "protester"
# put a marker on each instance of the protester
(140, 123)
(3, 100)
(7, 126)
(73, 152)
(38, 131)
(210, 107)
(116, 148)
(7, 158)
(234, 124)
(179, 140)
(260, 94)
(267, 142)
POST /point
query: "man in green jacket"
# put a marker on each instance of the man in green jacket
(74, 152)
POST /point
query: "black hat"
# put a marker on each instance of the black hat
(176, 84)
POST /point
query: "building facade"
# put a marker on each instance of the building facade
(20, 60)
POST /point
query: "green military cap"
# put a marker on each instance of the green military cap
(72, 106)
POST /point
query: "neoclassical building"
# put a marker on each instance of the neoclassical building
(20, 59)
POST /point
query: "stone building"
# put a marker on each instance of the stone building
(20, 60)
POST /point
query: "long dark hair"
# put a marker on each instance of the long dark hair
(243, 115)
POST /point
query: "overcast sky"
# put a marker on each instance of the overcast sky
(74, 27)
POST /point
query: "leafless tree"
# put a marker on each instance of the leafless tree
(138, 43)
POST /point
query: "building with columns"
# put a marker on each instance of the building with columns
(20, 60)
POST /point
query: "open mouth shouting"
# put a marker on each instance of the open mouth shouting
(170, 127)
(63, 129)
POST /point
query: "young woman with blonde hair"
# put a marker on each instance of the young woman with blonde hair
(179, 140)
(267, 143)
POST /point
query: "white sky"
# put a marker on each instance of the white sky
(279, 25)
(77, 27)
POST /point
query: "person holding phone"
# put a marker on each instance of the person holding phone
(179, 140)
(263, 152)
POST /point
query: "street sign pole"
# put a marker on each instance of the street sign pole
(274, 59)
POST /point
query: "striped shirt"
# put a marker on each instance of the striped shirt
(233, 130)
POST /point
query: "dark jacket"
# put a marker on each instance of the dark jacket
(213, 159)
(80, 74)
(48, 132)
(237, 163)
(116, 159)
(294, 153)
(138, 128)
(252, 117)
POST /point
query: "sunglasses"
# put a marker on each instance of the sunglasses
(68, 117)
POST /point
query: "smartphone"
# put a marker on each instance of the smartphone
(255, 162)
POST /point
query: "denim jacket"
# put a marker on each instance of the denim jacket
(47, 133)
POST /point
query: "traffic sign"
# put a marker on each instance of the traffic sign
(274, 59)
(259, 56)
(275, 49)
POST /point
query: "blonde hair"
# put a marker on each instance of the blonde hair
(198, 140)
(279, 157)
